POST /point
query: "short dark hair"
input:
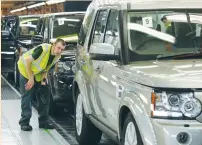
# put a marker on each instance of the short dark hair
(61, 41)
(163, 18)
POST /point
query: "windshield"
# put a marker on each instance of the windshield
(163, 33)
(28, 25)
(67, 27)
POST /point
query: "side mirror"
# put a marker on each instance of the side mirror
(102, 51)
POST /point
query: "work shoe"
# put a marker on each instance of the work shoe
(26, 127)
(46, 126)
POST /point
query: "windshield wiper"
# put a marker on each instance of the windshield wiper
(181, 56)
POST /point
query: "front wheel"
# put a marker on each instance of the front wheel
(130, 133)
(86, 132)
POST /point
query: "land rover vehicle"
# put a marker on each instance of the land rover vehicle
(135, 81)
(16, 29)
(65, 25)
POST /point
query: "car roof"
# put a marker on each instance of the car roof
(148, 4)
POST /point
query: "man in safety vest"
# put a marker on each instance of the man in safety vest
(169, 30)
(33, 67)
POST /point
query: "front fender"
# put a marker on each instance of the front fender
(132, 101)
(80, 81)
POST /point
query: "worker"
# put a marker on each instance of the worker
(170, 47)
(33, 66)
(168, 25)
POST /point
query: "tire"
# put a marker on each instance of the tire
(88, 134)
(130, 122)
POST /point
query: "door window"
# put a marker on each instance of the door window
(112, 30)
(100, 25)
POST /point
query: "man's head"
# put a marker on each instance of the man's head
(165, 21)
(58, 47)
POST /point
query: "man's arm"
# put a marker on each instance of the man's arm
(29, 60)
(30, 82)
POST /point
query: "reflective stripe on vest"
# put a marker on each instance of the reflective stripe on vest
(37, 62)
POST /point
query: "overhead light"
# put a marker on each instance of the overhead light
(36, 5)
(17, 10)
(50, 2)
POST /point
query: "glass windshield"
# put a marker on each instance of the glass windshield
(28, 25)
(67, 27)
(163, 33)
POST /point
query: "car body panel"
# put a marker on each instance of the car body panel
(108, 86)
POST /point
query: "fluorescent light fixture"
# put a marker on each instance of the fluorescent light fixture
(36, 5)
(17, 10)
(50, 2)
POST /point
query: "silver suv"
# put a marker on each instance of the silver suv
(139, 73)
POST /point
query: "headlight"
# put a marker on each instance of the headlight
(166, 104)
(69, 66)
(66, 66)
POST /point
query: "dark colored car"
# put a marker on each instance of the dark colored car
(66, 26)
(18, 35)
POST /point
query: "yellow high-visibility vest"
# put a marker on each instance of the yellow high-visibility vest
(40, 64)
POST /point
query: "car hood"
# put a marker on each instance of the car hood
(68, 55)
(167, 74)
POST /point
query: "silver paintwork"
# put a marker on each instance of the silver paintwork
(111, 87)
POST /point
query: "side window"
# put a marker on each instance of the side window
(112, 31)
(39, 29)
(85, 25)
(99, 28)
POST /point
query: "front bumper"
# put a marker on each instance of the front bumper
(168, 132)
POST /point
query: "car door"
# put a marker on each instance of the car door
(96, 37)
(107, 87)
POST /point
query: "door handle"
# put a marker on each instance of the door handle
(98, 70)
(83, 62)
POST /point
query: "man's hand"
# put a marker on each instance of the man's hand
(44, 78)
(29, 84)
(44, 81)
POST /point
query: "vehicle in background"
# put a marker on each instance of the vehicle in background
(17, 30)
(64, 25)
(139, 73)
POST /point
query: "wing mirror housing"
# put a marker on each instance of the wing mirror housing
(103, 51)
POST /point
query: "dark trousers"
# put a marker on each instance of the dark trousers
(26, 103)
